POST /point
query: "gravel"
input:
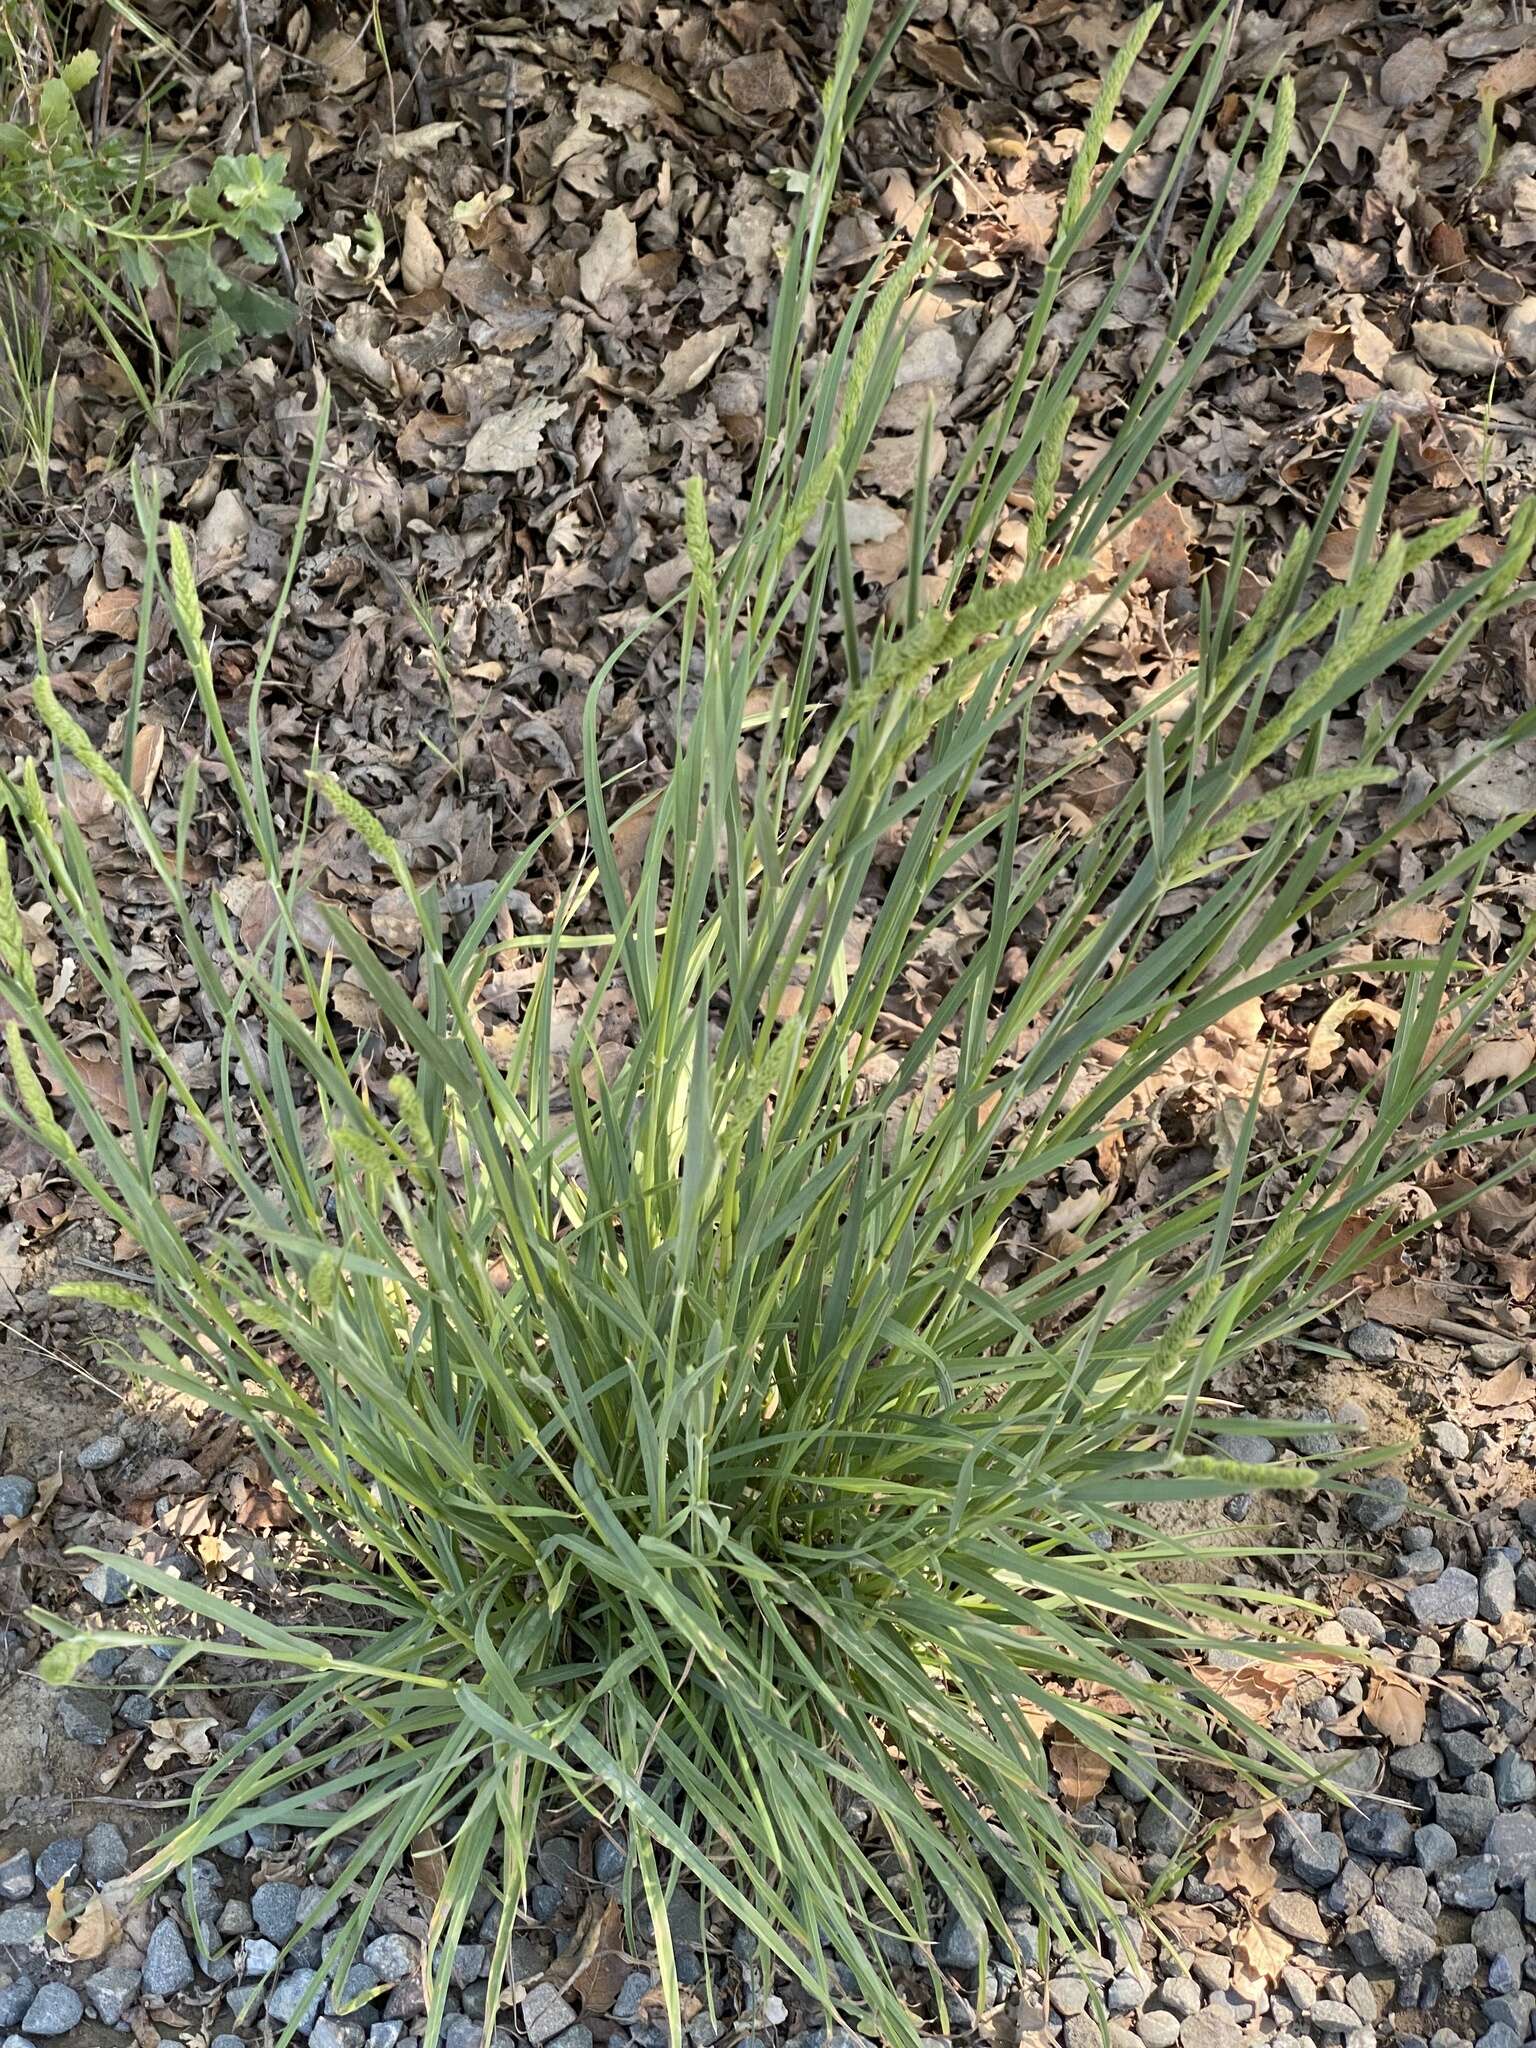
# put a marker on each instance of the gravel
(21, 1925)
(16, 1876)
(106, 1585)
(167, 1966)
(101, 1452)
(1445, 1601)
(84, 1717)
(104, 1855)
(61, 1859)
(15, 1997)
(1372, 1343)
(111, 1992)
(18, 1497)
(275, 1908)
(57, 2009)
(545, 2014)
(1511, 1845)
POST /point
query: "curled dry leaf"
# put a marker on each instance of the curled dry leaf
(1500, 1059)
(1082, 1773)
(1395, 1709)
(1238, 1859)
(1451, 345)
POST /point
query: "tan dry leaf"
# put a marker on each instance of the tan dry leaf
(1395, 1709)
(343, 59)
(1259, 1954)
(105, 1084)
(1163, 534)
(408, 143)
(1412, 72)
(1510, 1387)
(429, 1866)
(1326, 1037)
(1238, 1859)
(421, 260)
(611, 259)
(1082, 1772)
(510, 441)
(1406, 1305)
(1511, 74)
(178, 1738)
(148, 752)
(98, 1928)
(687, 365)
(1500, 1059)
(1452, 345)
(115, 612)
(57, 1926)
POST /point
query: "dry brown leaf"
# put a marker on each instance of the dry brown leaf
(1395, 1709)
(1406, 1305)
(1452, 345)
(429, 1866)
(1510, 1387)
(1082, 1772)
(115, 612)
(1238, 1859)
(692, 360)
(148, 752)
(1514, 73)
(1164, 534)
(1501, 1059)
(1259, 1954)
(98, 1929)
(510, 441)
(611, 259)
(1413, 71)
(57, 1927)
(1327, 1036)
(180, 1738)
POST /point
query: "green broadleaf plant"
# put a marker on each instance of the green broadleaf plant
(667, 1438)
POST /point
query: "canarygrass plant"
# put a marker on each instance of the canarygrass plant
(673, 1452)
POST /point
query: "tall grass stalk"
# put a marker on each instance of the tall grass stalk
(673, 1447)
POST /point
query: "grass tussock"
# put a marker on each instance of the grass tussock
(668, 1440)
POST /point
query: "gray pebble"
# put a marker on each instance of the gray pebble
(1400, 1943)
(18, 1497)
(638, 1982)
(390, 1957)
(1467, 1815)
(1445, 1601)
(1334, 2016)
(1449, 1439)
(1377, 1831)
(84, 1717)
(21, 1925)
(1465, 1752)
(1157, 2029)
(1419, 1566)
(1458, 1966)
(1458, 1711)
(957, 1948)
(59, 1859)
(226, 2041)
(1246, 1449)
(1470, 1647)
(106, 1585)
(1380, 1506)
(104, 1854)
(1180, 1995)
(1511, 1844)
(545, 2014)
(297, 1996)
(55, 2010)
(1068, 1996)
(1514, 1779)
(256, 1957)
(1125, 1993)
(1471, 1882)
(1433, 1849)
(581, 2037)
(111, 1992)
(275, 1907)
(167, 1966)
(340, 2033)
(1372, 1343)
(1419, 1762)
(353, 1991)
(608, 1859)
(1496, 1590)
(15, 1997)
(101, 1452)
(386, 2033)
(16, 1876)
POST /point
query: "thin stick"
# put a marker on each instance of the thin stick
(423, 91)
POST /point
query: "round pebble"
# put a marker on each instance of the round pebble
(57, 2009)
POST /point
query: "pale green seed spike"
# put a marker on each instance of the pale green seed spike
(32, 1095)
(1436, 539)
(701, 554)
(186, 605)
(15, 956)
(402, 1090)
(366, 826)
(1305, 793)
(323, 1277)
(33, 803)
(74, 741)
(1053, 443)
(1105, 105)
(106, 1294)
(1266, 182)
(991, 610)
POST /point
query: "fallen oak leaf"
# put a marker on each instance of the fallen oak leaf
(1395, 1709)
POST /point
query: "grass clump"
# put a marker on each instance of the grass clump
(673, 1451)
(90, 240)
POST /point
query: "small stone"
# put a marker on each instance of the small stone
(16, 1876)
(55, 2010)
(1467, 1815)
(101, 1452)
(275, 1908)
(1068, 1996)
(1400, 1944)
(608, 1859)
(1372, 1343)
(15, 1997)
(1377, 1831)
(60, 1860)
(1514, 1779)
(468, 1963)
(106, 1585)
(1334, 2016)
(1180, 1995)
(352, 1992)
(21, 1925)
(957, 1947)
(1419, 1566)
(1458, 1966)
(1449, 1439)
(1496, 1590)
(111, 1992)
(1210, 2029)
(1380, 1506)
(545, 2014)
(1458, 1711)
(1445, 1601)
(257, 1957)
(18, 1497)
(104, 1854)
(84, 1717)
(1418, 1762)
(1318, 1862)
(335, 2033)
(631, 1991)
(167, 1966)
(1511, 1845)
(1464, 1752)
(1362, 1623)
(297, 1997)
(1164, 1822)
(1157, 2029)
(1245, 1449)
(581, 2037)
(1295, 1915)
(1469, 1649)
(390, 1957)
(385, 2033)
(226, 2041)
(1433, 1849)
(1471, 1882)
